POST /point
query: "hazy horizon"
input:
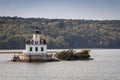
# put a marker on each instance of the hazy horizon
(62, 9)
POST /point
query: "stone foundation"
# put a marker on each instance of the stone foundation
(35, 58)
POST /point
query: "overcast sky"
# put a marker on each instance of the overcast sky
(68, 9)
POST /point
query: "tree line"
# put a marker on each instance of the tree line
(60, 33)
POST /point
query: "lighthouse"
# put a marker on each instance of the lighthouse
(37, 45)
(36, 49)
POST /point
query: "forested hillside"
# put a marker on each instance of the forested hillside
(60, 33)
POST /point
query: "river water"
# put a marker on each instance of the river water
(105, 66)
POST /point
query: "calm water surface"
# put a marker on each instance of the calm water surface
(105, 66)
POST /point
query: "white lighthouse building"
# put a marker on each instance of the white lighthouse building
(36, 45)
(36, 49)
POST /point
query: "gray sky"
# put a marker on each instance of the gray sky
(68, 9)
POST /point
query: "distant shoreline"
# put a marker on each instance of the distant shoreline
(16, 51)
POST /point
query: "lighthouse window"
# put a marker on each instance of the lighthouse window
(36, 42)
(42, 49)
(36, 48)
(30, 48)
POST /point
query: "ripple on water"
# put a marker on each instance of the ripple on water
(105, 66)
